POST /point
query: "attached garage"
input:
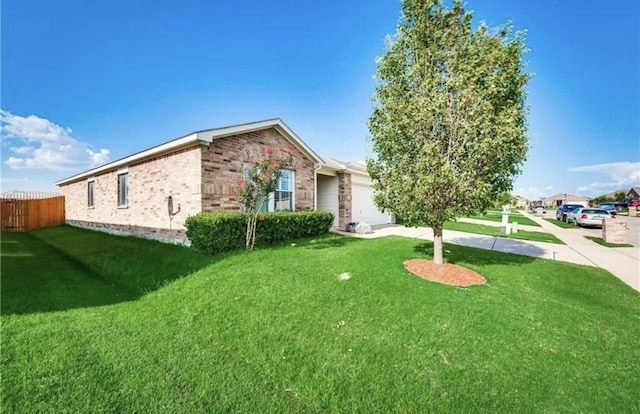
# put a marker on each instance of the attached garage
(362, 205)
(345, 190)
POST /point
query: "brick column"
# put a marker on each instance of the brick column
(344, 200)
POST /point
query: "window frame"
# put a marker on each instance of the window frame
(291, 190)
(123, 188)
(91, 192)
(270, 204)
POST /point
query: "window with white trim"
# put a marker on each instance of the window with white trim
(283, 196)
(123, 189)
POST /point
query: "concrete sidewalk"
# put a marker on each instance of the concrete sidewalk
(624, 263)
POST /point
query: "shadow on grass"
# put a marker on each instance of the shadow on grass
(330, 241)
(470, 250)
(65, 268)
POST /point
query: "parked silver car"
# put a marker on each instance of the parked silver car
(588, 216)
(561, 212)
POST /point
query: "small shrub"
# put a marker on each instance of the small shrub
(216, 232)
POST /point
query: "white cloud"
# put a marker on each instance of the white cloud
(532, 193)
(22, 150)
(98, 158)
(38, 143)
(17, 163)
(619, 175)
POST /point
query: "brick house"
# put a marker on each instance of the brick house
(634, 193)
(152, 192)
(520, 202)
(561, 198)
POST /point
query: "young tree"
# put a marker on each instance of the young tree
(449, 120)
(261, 180)
(505, 198)
(620, 196)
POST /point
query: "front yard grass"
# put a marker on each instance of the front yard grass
(514, 215)
(495, 231)
(562, 224)
(276, 330)
(601, 241)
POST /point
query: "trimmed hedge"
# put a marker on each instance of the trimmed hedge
(217, 231)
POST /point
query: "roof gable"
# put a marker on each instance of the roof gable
(200, 138)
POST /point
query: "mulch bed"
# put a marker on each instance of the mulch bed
(446, 273)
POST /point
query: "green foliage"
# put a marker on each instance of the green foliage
(616, 198)
(279, 226)
(602, 199)
(504, 198)
(216, 232)
(262, 180)
(449, 120)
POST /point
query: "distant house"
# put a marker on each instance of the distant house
(152, 192)
(634, 193)
(520, 202)
(562, 198)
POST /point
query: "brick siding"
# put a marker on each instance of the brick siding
(222, 165)
(199, 178)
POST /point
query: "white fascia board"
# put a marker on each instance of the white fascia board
(326, 170)
(357, 172)
(277, 123)
(149, 153)
(333, 169)
(203, 137)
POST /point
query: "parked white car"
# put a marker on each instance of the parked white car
(588, 216)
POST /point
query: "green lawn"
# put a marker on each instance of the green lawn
(163, 329)
(495, 231)
(561, 223)
(514, 215)
(599, 240)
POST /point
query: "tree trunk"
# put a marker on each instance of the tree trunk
(247, 238)
(253, 230)
(437, 244)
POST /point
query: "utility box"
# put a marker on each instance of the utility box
(504, 225)
(614, 231)
(514, 227)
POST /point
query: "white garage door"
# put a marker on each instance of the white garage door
(362, 207)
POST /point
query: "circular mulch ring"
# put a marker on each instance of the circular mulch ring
(446, 273)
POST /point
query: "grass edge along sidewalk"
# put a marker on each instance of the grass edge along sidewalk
(494, 231)
(278, 329)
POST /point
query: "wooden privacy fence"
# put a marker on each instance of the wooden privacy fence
(29, 211)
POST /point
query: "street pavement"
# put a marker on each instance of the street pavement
(622, 262)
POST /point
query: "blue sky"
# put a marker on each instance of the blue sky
(86, 82)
